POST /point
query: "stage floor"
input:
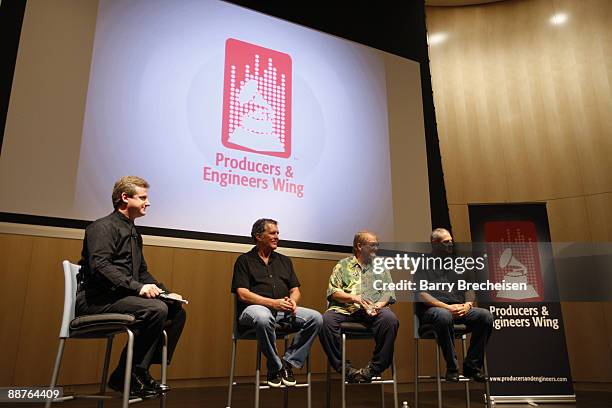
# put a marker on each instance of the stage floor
(358, 396)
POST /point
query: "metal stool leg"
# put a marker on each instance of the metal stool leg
(107, 355)
(416, 373)
(164, 365)
(343, 370)
(257, 372)
(128, 369)
(164, 369)
(56, 368)
(467, 383)
(309, 380)
(487, 389)
(286, 390)
(394, 374)
(328, 387)
(438, 378)
(232, 368)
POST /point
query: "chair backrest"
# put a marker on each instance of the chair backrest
(70, 288)
(235, 319)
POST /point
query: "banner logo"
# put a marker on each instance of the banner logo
(514, 257)
(256, 99)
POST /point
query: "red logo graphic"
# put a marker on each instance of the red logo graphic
(256, 99)
(514, 256)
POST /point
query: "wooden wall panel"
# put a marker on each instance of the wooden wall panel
(15, 259)
(535, 96)
(599, 208)
(506, 77)
(42, 317)
(589, 45)
(568, 220)
(204, 278)
(160, 264)
(460, 220)
(588, 346)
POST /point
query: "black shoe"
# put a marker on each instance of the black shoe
(274, 379)
(350, 373)
(452, 375)
(287, 375)
(368, 374)
(475, 374)
(353, 376)
(137, 387)
(146, 379)
(375, 374)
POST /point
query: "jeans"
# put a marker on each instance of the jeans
(478, 321)
(263, 320)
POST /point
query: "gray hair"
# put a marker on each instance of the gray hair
(437, 233)
(360, 238)
(260, 226)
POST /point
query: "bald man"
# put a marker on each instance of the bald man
(443, 309)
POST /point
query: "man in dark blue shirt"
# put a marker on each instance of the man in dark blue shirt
(268, 292)
(444, 308)
(114, 278)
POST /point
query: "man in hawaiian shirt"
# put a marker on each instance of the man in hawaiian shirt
(352, 298)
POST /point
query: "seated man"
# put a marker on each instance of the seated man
(352, 298)
(114, 278)
(268, 293)
(443, 309)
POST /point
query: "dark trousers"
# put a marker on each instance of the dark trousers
(384, 325)
(478, 321)
(152, 317)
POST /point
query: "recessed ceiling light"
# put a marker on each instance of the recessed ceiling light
(436, 38)
(559, 18)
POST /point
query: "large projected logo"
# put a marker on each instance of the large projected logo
(256, 99)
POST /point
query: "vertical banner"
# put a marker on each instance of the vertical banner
(527, 353)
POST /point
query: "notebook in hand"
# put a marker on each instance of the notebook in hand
(166, 296)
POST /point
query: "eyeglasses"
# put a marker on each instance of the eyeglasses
(373, 245)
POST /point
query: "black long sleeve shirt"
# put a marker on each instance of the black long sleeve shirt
(112, 263)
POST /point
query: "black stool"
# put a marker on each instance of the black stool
(357, 331)
(427, 332)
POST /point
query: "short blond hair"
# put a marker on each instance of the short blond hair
(127, 185)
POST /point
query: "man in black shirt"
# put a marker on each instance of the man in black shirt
(268, 292)
(443, 308)
(114, 278)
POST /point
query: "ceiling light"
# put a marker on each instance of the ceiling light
(436, 38)
(558, 19)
